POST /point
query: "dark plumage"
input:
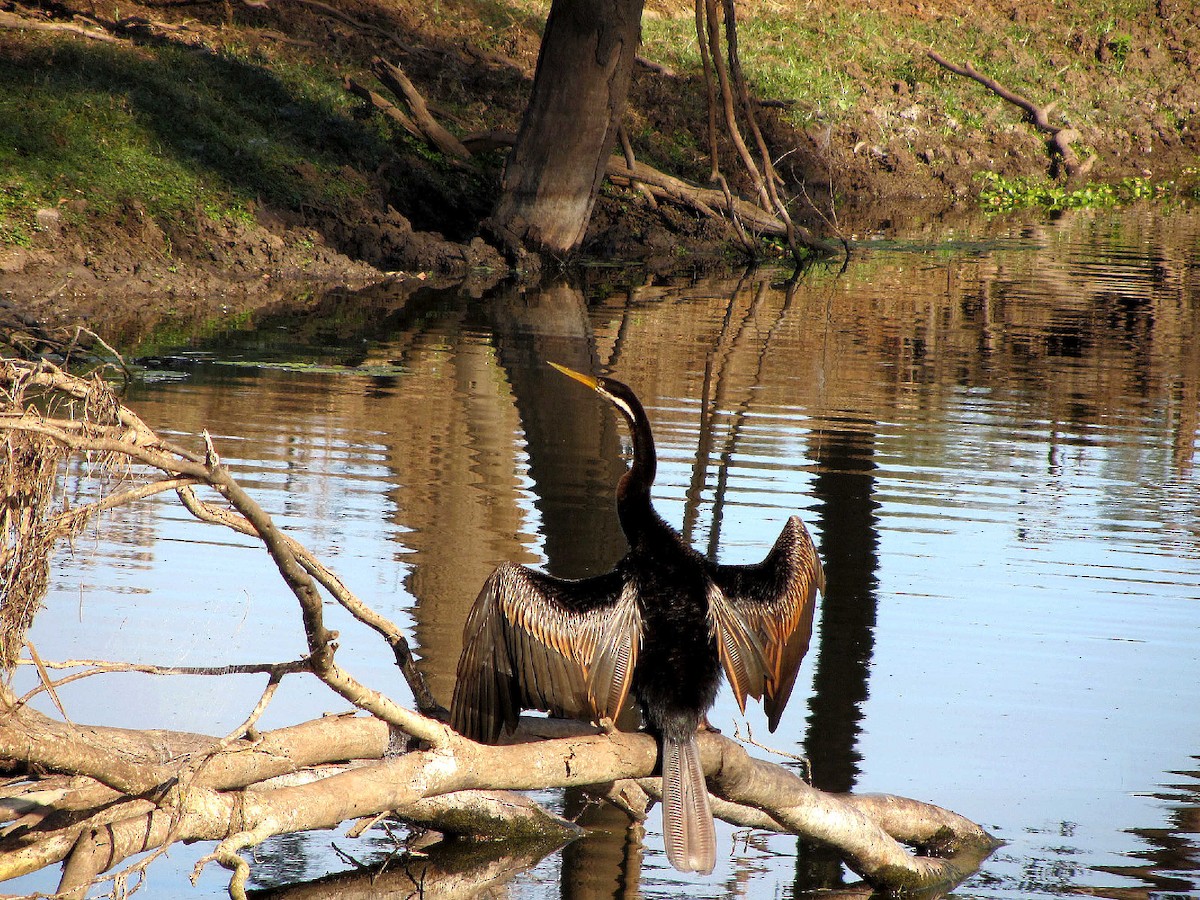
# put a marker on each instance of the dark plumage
(662, 625)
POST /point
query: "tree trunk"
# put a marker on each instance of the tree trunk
(569, 128)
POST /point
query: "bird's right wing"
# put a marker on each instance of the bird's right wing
(764, 617)
(536, 642)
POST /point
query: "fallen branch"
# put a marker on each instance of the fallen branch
(1059, 143)
(394, 79)
(30, 23)
(426, 787)
(384, 106)
(708, 200)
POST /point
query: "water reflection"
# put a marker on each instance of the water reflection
(994, 446)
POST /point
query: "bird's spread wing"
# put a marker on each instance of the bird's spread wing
(537, 642)
(763, 617)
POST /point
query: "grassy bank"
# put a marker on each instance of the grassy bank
(96, 130)
(159, 136)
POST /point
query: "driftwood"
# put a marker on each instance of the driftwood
(1060, 138)
(90, 797)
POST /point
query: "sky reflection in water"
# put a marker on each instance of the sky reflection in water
(994, 447)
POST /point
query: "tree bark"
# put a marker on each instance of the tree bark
(570, 125)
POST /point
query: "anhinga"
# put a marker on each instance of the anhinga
(662, 624)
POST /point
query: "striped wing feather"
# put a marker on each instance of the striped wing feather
(763, 614)
(536, 642)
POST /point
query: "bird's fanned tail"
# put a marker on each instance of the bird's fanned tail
(688, 828)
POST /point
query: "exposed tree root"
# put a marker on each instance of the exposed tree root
(1060, 138)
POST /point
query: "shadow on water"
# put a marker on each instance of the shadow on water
(440, 869)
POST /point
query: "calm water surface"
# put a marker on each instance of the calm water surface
(992, 437)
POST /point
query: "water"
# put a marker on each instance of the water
(992, 437)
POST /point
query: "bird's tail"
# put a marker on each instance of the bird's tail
(687, 819)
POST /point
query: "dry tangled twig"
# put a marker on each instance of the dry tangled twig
(34, 516)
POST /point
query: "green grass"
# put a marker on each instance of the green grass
(804, 54)
(173, 130)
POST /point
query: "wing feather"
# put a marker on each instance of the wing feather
(536, 642)
(763, 615)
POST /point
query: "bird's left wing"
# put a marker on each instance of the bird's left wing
(536, 642)
(763, 615)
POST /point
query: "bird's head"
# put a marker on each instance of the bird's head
(615, 392)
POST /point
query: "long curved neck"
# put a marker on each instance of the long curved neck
(633, 491)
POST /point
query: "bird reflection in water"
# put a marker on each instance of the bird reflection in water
(661, 626)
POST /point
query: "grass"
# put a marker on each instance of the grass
(803, 52)
(171, 130)
(95, 129)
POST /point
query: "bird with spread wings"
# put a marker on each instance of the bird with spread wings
(660, 628)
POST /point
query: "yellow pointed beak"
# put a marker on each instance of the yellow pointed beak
(578, 376)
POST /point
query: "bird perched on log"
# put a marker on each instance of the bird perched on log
(660, 626)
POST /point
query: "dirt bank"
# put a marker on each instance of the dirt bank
(356, 198)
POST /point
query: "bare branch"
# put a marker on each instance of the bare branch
(397, 82)
(132, 439)
(12, 20)
(391, 632)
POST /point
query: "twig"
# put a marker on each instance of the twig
(102, 667)
(795, 757)
(22, 23)
(391, 632)
(1060, 138)
(46, 682)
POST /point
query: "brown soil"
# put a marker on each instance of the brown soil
(416, 219)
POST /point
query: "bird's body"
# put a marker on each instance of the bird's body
(661, 626)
